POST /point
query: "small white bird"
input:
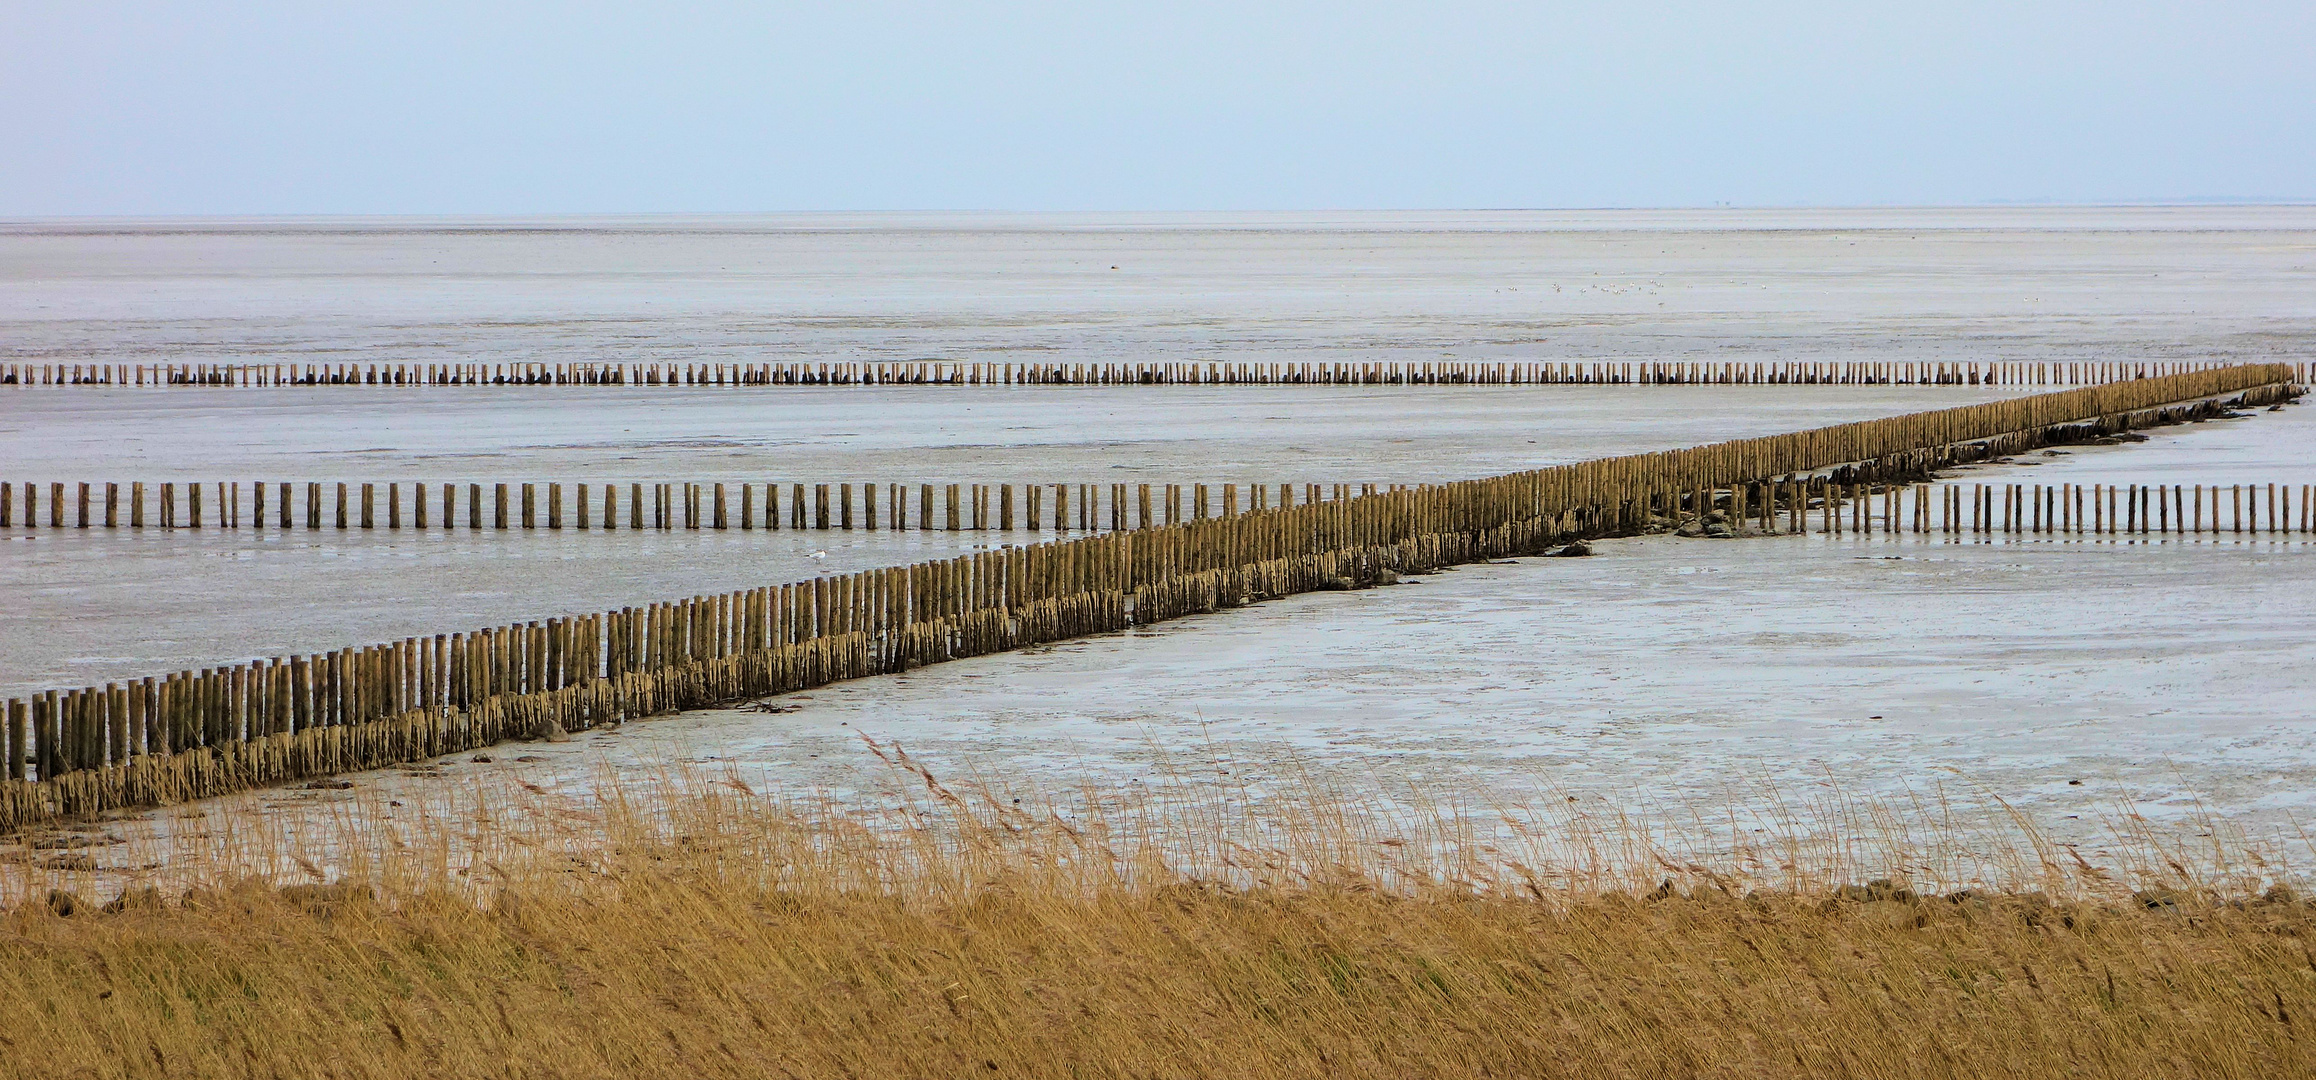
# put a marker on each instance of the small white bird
(817, 555)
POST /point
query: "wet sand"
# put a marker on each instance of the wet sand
(2166, 674)
(87, 606)
(2068, 678)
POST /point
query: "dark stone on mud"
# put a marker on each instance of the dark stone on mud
(64, 903)
(329, 783)
(1718, 531)
(1574, 549)
(2158, 899)
(144, 899)
(1887, 889)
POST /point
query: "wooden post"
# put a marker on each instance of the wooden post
(554, 505)
(369, 506)
(120, 712)
(43, 742)
(530, 507)
(499, 506)
(19, 719)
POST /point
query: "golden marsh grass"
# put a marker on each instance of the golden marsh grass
(694, 926)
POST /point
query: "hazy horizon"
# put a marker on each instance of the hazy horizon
(2047, 216)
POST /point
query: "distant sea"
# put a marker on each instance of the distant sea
(1979, 283)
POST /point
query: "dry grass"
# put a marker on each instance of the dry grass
(696, 928)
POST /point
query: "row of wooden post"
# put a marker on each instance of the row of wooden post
(215, 729)
(2022, 509)
(665, 506)
(1170, 373)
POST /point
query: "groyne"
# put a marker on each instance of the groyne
(1153, 373)
(599, 506)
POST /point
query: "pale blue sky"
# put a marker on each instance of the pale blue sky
(416, 107)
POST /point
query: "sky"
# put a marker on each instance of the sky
(415, 107)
